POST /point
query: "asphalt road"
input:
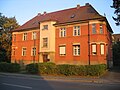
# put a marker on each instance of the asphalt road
(27, 83)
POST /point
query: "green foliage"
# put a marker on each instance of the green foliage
(9, 67)
(6, 25)
(116, 54)
(65, 69)
(116, 6)
(32, 68)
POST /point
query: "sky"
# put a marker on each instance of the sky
(25, 10)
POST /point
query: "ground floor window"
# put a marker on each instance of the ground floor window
(24, 49)
(102, 47)
(76, 50)
(94, 49)
(62, 50)
(34, 51)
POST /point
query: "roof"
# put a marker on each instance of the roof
(79, 13)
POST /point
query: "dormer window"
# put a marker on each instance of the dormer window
(45, 27)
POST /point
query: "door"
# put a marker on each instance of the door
(45, 58)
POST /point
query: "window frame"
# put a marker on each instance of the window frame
(101, 29)
(34, 35)
(24, 51)
(102, 52)
(33, 51)
(24, 36)
(94, 29)
(76, 29)
(45, 42)
(76, 50)
(60, 52)
(45, 27)
(62, 32)
(94, 51)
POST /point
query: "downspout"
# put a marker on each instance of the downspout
(88, 44)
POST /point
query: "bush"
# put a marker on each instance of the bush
(9, 67)
(96, 70)
(65, 69)
(47, 68)
(32, 68)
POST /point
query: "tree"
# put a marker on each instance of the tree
(6, 25)
(116, 6)
(116, 53)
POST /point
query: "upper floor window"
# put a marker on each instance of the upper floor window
(62, 50)
(45, 27)
(76, 50)
(13, 52)
(62, 32)
(94, 49)
(93, 28)
(14, 37)
(34, 34)
(101, 29)
(24, 36)
(102, 47)
(45, 42)
(76, 31)
(24, 51)
(34, 51)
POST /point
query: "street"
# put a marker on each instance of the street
(31, 83)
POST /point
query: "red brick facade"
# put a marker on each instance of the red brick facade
(71, 36)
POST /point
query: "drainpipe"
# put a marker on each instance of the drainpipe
(88, 44)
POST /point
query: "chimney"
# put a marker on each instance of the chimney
(78, 6)
(44, 12)
(39, 14)
(87, 4)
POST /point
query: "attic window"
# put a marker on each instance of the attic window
(73, 15)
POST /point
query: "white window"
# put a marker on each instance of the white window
(94, 49)
(93, 28)
(45, 27)
(34, 35)
(76, 50)
(14, 37)
(76, 30)
(45, 42)
(101, 29)
(13, 52)
(102, 49)
(24, 36)
(24, 51)
(34, 51)
(62, 32)
(62, 50)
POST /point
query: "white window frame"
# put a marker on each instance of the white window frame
(102, 49)
(34, 35)
(94, 49)
(62, 50)
(45, 27)
(24, 51)
(62, 32)
(24, 36)
(76, 31)
(33, 51)
(94, 29)
(76, 50)
(45, 43)
(101, 29)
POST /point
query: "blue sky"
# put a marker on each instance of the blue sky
(25, 10)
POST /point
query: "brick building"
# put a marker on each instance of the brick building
(77, 35)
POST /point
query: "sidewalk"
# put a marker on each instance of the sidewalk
(111, 78)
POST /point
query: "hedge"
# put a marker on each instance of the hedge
(9, 67)
(66, 69)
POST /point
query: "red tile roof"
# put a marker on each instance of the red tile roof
(63, 16)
